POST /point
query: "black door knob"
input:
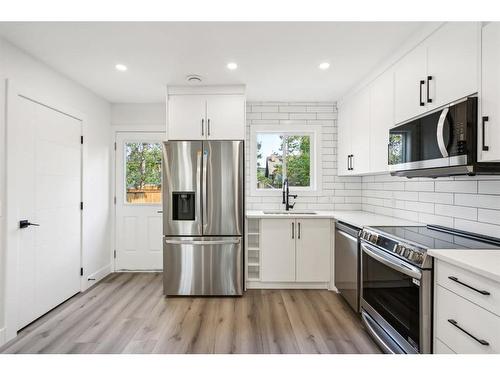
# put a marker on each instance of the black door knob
(26, 223)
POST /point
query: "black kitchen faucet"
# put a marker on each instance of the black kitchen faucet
(287, 195)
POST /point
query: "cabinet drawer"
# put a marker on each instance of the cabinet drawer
(470, 286)
(441, 348)
(457, 320)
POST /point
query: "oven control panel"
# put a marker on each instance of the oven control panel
(404, 250)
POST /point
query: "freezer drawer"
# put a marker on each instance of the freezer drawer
(202, 266)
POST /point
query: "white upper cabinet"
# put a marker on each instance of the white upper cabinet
(409, 84)
(186, 117)
(354, 135)
(197, 113)
(452, 63)
(360, 133)
(343, 140)
(441, 69)
(226, 117)
(381, 120)
(489, 142)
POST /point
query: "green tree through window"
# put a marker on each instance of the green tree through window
(143, 172)
(283, 156)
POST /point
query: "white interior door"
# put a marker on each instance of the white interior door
(138, 201)
(44, 188)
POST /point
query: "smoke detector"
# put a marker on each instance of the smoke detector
(193, 78)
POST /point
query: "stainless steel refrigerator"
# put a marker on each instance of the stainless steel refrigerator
(203, 211)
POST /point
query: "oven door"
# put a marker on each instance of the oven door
(390, 294)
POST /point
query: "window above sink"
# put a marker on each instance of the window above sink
(285, 151)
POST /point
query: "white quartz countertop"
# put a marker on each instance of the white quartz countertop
(356, 218)
(483, 262)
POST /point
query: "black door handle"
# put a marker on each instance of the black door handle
(485, 148)
(26, 224)
(429, 100)
(481, 341)
(422, 82)
(455, 279)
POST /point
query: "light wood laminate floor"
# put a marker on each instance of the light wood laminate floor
(127, 313)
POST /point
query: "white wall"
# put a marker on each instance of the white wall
(338, 193)
(28, 72)
(138, 116)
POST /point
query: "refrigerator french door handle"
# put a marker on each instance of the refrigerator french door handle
(439, 133)
(198, 190)
(204, 184)
(200, 243)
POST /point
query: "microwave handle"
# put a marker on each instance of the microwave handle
(484, 119)
(422, 82)
(439, 133)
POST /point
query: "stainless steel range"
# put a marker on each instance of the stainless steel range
(396, 282)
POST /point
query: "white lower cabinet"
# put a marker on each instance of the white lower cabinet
(295, 250)
(277, 250)
(463, 322)
(312, 249)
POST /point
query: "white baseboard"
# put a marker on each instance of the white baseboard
(96, 276)
(291, 285)
(2, 336)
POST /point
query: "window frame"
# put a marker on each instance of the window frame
(314, 132)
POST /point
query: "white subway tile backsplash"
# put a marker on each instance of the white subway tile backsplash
(489, 216)
(482, 201)
(489, 187)
(456, 186)
(456, 211)
(446, 198)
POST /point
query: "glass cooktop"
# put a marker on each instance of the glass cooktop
(436, 237)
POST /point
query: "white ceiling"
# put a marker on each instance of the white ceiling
(276, 60)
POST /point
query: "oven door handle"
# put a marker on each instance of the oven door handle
(439, 133)
(380, 256)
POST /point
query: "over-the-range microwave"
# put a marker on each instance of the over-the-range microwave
(441, 143)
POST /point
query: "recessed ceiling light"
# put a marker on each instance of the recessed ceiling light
(232, 66)
(121, 67)
(324, 65)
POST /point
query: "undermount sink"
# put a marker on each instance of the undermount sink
(294, 212)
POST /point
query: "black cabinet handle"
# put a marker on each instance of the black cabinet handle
(208, 126)
(485, 148)
(422, 82)
(455, 279)
(352, 162)
(202, 126)
(25, 224)
(299, 230)
(293, 230)
(429, 100)
(455, 324)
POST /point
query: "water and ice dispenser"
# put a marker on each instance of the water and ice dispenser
(183, 205)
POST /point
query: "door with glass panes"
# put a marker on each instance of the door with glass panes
(138, 201)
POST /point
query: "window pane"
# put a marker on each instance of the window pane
(298, 160)
(269, 161)
(143, 172)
